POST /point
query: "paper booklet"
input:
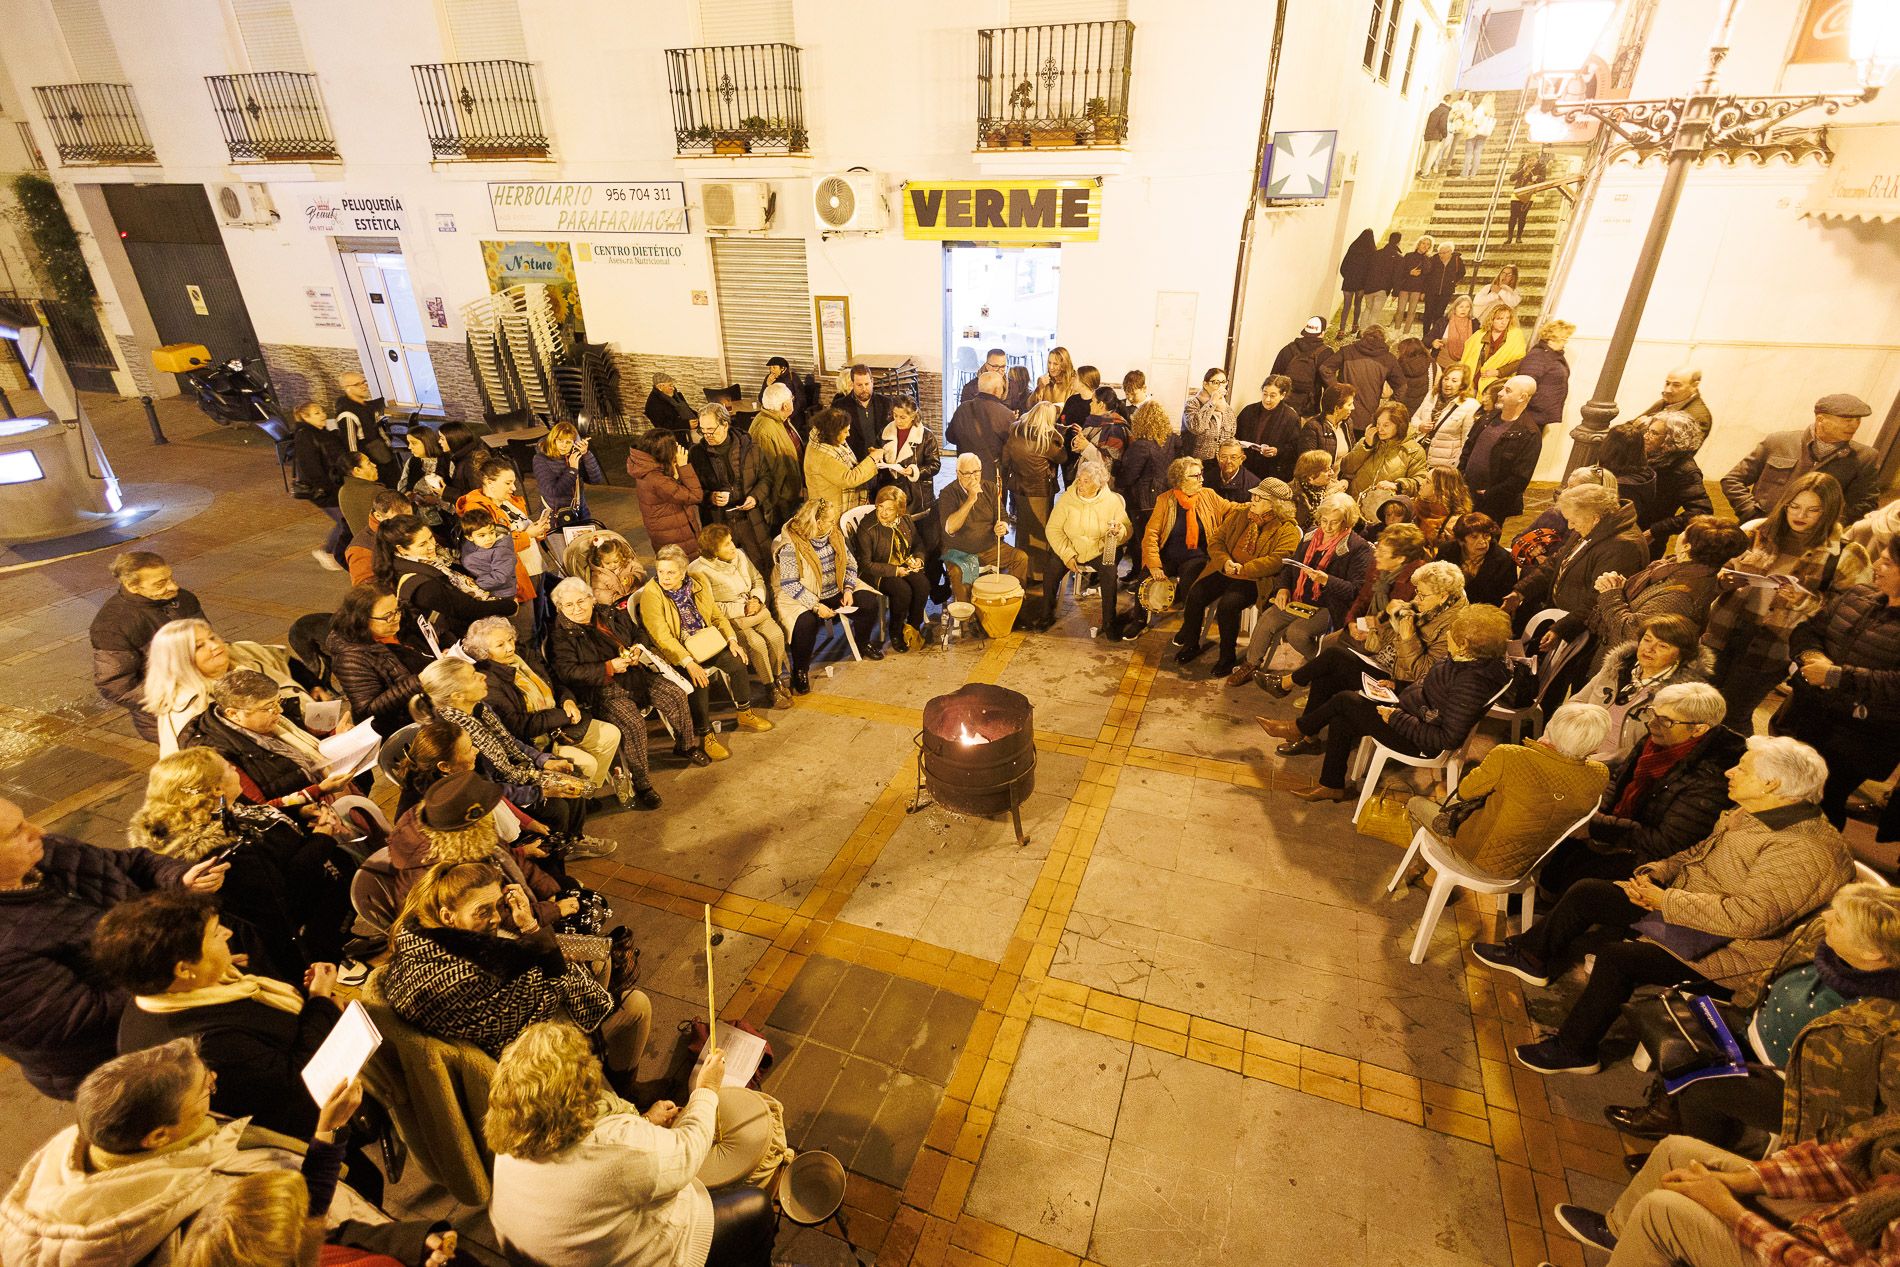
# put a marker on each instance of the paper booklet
(743, 1053)
(320, 716)
(1371, 688)
(353, 751)
(343, 1054)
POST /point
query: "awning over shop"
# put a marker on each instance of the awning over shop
(1863, 181)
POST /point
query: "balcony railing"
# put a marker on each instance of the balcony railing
(1058, 85)
(272, 116)
(31, 146)
(737, 99)
(96, 124)
(481, 110)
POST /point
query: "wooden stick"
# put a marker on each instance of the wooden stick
(712, 1007)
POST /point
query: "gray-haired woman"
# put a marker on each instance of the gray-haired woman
(1086, 528)
(534, 707)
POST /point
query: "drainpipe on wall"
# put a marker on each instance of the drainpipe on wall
(1245, 255)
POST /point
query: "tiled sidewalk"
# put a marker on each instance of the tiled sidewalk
(1175, 1027)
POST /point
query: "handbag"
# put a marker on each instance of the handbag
(705, 644)
(1678, 1039)
(570, 516)
(1452, 815)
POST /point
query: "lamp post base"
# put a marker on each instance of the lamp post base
(1587, 438)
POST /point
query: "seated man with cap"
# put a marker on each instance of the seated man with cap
(1782, 457)
(1244, 552)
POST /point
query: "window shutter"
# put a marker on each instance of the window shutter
(745, 22)
(486, 30)
(88, 41)
(269, 31)
(764, 304)
(1049, 12)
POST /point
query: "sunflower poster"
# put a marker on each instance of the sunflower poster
(550, 263)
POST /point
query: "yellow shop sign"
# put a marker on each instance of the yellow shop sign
(1003, 210)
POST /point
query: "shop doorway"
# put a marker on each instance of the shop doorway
(390, 326)
(997, 297)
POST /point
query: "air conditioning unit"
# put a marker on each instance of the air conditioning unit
(247, 206)
(737, 206)
(850, 202)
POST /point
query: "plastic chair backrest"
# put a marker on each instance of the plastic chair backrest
(849, 521)
(1867, 875)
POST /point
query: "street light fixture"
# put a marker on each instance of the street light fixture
(1689, 129)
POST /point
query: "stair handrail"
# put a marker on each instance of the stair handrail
(1497, 186)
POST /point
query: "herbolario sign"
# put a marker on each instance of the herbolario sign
(1003, 210)
(588, 206)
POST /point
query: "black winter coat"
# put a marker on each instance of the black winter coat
(669, 413)
(1437, 712)
(1443, 277)
(1498, 489)
(1353, 269)
(1415, 373)
(511, 707)
(867, 421)
(316, 463)
(1279, 428)
(1385, 269)
(1567, 579)
(1141, 477)
(1299, 361)
(1859, 631)
(1552, 372)
(1680, 495)
(121, 634)
(257, 1052)
(1346, 574)
(1496, 575)
(981, 426)
(733, 468)
(1679, 809)
(449, 610)
(271, 773)
(1368, 366)
(378, 679)
(62, 1017)
(578, 655)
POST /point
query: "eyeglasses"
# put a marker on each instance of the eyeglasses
(1657, 721)
(386, 616)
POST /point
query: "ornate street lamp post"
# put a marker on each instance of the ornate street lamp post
(1706, 123)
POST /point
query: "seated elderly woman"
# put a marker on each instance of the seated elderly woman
(1244, 552)
(1174, 540)
(172, 953)
(187, 657)
(1400, 643)
(455, 691)
(1086, 529)
(277, 760)
(1489, 569)
(739, 588)
(470, 961)
(375, 670)
(1525, 793)
(687, 629)
(1316, 585)
(1668, 651)
(1820, 1035)
(595, 650)
(817, 580)
(1708, 917)
(583, 1178)
(1433, 715)
(532, 706)
(1601, 536)
(1681, 584)
(287, 891)
(886, 550)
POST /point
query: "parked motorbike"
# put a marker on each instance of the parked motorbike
(229, 392)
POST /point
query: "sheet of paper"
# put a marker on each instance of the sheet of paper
(353, 751)
(1754, 580)
(321, 716)
(1370, 687)
(743, 1053)
(343, 1054)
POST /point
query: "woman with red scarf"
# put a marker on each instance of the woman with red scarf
(1175, 541)
(1314, 592)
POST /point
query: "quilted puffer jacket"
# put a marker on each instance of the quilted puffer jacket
(121, 635)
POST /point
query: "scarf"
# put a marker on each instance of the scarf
(460, 580)
(1637, 682)
(235, 988)
(1193, 521)
(1651, 766)
(290, 740)
(1318, 554)
(535, 693)
(99, 1159)
(1855, 983)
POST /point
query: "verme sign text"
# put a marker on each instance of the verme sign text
(1003, 210)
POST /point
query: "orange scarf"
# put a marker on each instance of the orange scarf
(1193, 520)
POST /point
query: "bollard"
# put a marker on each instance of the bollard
(6, 406)
(151, 417)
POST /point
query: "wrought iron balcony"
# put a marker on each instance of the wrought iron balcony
(737, 99)
(31, 146)
(481, 110)
(1050, 86)
(272, 116)
(95, 124)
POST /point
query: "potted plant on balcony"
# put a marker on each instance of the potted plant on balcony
(1104, 128)
(1051, 135)
(1022, 99)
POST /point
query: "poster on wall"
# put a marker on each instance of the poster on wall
(324, 313)
(354, 213)
(1300, 165)
(834, 332)
(551, 263)
(1822, 36)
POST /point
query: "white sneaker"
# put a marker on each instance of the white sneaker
(325, 561)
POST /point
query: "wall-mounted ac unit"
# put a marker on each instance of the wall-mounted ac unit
(849, 202)
(737, 206)
(246, 206)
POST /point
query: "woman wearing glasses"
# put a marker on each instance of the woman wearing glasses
(374, 669)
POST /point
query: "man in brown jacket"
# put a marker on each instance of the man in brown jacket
(1244, 553)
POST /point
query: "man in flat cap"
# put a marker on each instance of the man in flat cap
(1759, 480)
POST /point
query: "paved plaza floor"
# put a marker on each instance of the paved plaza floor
(1176, 1026)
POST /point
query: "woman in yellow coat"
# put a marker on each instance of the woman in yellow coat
(833, 472)
(1493, 353)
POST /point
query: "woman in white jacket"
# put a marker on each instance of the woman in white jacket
(187, 656)
(1086, 527)
(1444, 417)
(1484, 120)
(584, 1179)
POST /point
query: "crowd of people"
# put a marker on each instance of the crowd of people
(1341, 543)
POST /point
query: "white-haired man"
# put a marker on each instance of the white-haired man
(1715, 914)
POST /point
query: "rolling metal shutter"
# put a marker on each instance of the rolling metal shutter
(269, 31)
(764, 305)
(745, 21)
(484, 30)
(88, 41)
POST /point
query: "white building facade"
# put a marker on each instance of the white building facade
(378, 166)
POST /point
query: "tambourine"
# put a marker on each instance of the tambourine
(1157, 593)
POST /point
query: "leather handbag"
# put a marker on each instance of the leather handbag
(705, 644)
(1677, 1039)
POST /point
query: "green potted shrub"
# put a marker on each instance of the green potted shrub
(1104, 128)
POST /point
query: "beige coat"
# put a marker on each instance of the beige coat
(1753, 884)
(1531, 792)
(436, 1089)
(1083, 530)
(829, 476)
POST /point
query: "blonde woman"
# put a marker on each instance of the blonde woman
(1449, 333)
(286, 892)
(1059, 381)
(187, 656)
(740, 591)
(818, 579)
(582, 1177)
(1492, 354)
(275, 1218)
(1031, 458)
(562, 465)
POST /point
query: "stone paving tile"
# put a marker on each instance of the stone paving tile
(1041, 1178)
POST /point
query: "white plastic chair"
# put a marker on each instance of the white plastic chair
(1455, 873)
(1530, 717)
(1867, 875)
(1372, 757)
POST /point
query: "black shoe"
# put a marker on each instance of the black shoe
(1652, 1121)
(1303, 747)
(1587, 1226)
(1508, 958)
(1634, 1162)
(1223, 666)
(801, 682)
(1551, 1056)
(874, 653)
(1180, 639)
(698, 756)
(1272, 685)
(646, 798)
(1190, 652)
